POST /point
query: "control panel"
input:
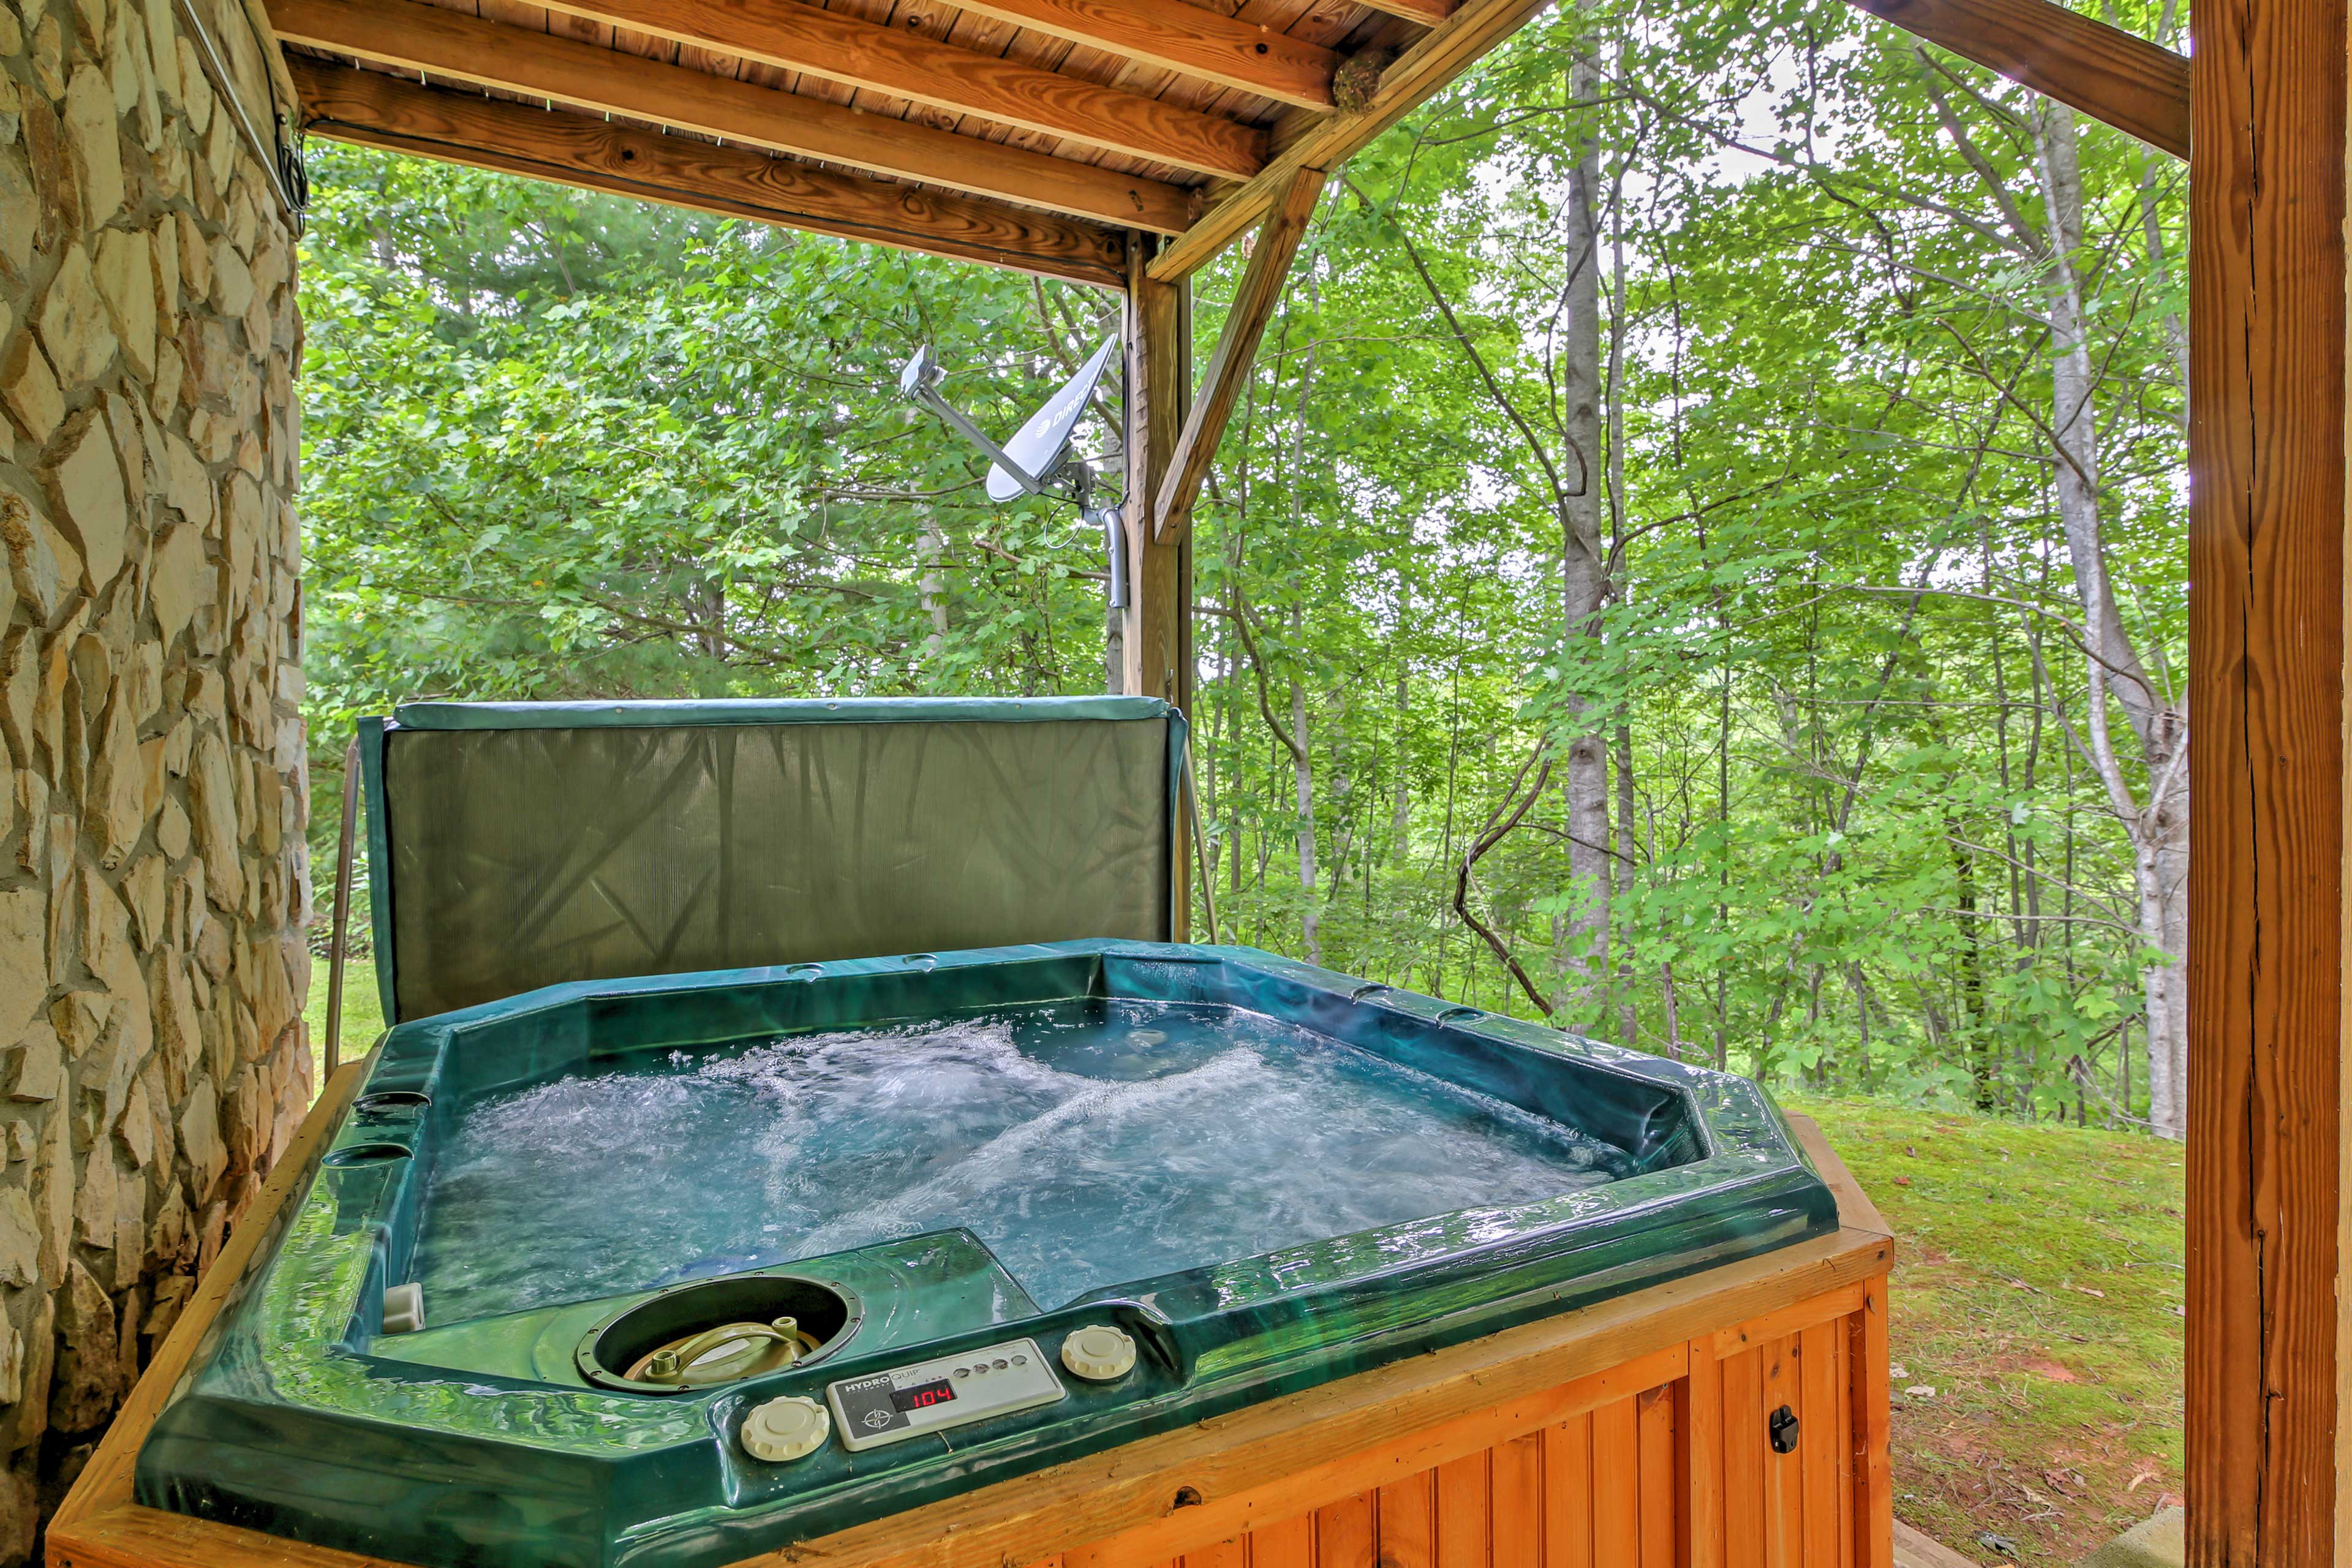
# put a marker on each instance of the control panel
(933, 1395)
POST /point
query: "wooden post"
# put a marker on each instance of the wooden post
(2267, 1233)
(1157, 635)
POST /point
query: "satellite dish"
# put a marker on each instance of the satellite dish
(1042, 444)
(1035, 462)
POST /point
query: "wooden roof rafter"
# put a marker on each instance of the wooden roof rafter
(1060, 118)
(1051, 135)
(372, 109)
(1188, 39)
(905, 64)
(451, 46)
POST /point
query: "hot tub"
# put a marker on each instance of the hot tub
(1053, 1242)
(1021, 1204)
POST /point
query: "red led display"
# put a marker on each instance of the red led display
(922, 1395)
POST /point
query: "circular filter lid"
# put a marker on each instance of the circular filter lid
(1098, 1353)
(789, 1429)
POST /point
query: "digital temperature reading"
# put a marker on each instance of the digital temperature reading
(932, 1396)
(922, 1395)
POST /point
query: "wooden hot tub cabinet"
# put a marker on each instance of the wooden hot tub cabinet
(1637, 1433)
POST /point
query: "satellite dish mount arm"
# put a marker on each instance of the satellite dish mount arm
(920, 381)
(1046, 435)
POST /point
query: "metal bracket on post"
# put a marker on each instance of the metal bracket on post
(343, 925)
(1114, 527)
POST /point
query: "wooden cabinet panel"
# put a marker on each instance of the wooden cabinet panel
(1515, 1489)
(1347, 1534)
(1567, 1493)
(1463, 1538)
(1682, 1474)
(1406, 1520)
(1779, 1510)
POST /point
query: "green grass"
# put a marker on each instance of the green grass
(363, 1009)
(2038, 1290)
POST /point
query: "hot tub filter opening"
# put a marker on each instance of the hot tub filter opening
(716, 1332)
(725, 1354)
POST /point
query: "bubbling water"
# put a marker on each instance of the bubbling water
(1088, 1143)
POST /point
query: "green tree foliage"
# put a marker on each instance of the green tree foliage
(1872, 823)
(561, 446)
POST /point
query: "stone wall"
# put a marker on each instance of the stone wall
(153, 881)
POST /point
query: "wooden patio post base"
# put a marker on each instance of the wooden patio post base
(1644, 1432)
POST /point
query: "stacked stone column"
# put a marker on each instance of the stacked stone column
(153, 887)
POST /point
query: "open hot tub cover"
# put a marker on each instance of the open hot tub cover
(516, 844)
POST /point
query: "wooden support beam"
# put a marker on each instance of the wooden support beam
(2270, 1261)
(1183, 38)
(1156, 637)
(2115, 77)
(347, 104)
(449, 44)
(903, 64)
(1236, 351)
(1324, 142)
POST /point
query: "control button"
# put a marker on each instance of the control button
(963, 1372)
(999, 1363)
(1098, 1353)
(785, 1429)
(1021, 1361)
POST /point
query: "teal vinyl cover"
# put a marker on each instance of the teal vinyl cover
(515, 844)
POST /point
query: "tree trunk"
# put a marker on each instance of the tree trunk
(1401, 810)
(1338, 787)
(1582, 959)
(1311, 933)
(931, 588)
(1671, 1004)
(1984, 1067)
(2159, 826)
(1242, 792)
(1628, 1017)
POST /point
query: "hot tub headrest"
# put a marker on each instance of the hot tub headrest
(512, 845)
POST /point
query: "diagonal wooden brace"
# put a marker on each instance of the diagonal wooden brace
(2115, 77)
(1236, 351)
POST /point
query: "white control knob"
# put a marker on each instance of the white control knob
(1098, 1353)
(785, 1429)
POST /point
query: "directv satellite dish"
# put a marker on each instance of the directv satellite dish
(1037, 461)
(1044, 441)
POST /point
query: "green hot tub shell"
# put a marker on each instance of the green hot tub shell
(496, 1441)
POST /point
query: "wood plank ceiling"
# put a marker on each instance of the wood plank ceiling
(1049, 135)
